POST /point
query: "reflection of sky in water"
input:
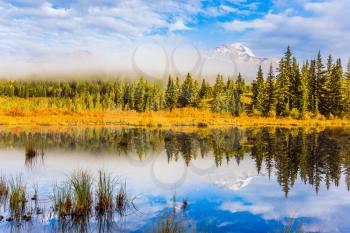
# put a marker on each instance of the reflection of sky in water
(229, 198)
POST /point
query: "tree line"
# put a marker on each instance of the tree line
(314, 89)
(299, 91)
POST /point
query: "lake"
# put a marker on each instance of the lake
(208, 180)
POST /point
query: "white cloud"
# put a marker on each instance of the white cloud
(34, 31)
(313, 26)
(178, 25)
(50, 11)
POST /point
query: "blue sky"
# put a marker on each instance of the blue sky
(34, 28)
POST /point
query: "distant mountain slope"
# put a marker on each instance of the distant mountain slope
(234, 58)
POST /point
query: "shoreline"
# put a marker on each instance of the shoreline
(178, 118)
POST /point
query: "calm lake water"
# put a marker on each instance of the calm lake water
(234, 180)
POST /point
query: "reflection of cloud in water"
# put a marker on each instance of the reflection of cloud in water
(324, 208)
(234, 181)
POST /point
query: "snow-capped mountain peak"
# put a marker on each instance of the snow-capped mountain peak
(236, 48)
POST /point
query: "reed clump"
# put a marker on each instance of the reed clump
(17, 196)
(121, 200)
(4, 187)
(62, 199)
(104, 193)
(81, 183)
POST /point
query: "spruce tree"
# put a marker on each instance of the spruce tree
(205, 91)
(325, 88)
(347, 88)
(258, 92)
(296, 87)
(170, 94)
(186, 94)
(305, 87)
(335, 92)
(219, 86)
(270, 105)
(140, 101)
(313, 102)
(219, 103)
(283, 84)
(320, 79)
(240, 84)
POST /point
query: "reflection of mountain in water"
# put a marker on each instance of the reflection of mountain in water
(316, 158)
(234, 182)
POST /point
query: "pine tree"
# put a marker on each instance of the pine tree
(335, 92)
(296, 87)
(270, 105)
(240, 84)
(140, 92)
(283, 84)
(170, 94)
(325, 88)
(347, 88)
(258, 92)
(205, 91)
(219, 86)
(305, 87)
(195, 99)
(219, 103)
(234, 102)
(186, 95)
(319, 81)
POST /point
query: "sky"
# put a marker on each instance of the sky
(33, 32)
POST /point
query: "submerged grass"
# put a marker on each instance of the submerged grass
(104, 193)
(4, 187)
(121, 203)
(17, 196)
(170, 222)
(62, 199)
(81, 183)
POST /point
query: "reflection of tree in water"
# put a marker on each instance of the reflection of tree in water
(314, 157)
(31, 153)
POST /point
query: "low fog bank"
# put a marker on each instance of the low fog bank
(150, 60)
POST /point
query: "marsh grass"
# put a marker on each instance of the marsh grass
(170, 222)
(62, 199)
(81, 183)
(4, 187)
(17, 196)
(35, 192)
(122, 202)
(104, 193)
(293, 227)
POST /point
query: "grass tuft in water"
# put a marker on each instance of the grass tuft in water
(4, 187)
(81, 183)
(17, 196)
(170, 222)
(121, 203)
(62, 199)
(104, 193)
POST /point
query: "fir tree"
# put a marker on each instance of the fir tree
(240, 84)
(305, 87)
(325, 88)
(347, 87)
(140, 92)
(335, 92)
(320, 79)
(170, 94)
(258, 92)
(313, 98)
(296, 87)
(270, 105)
(187, 92)
(283, 84)
(219, 103)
